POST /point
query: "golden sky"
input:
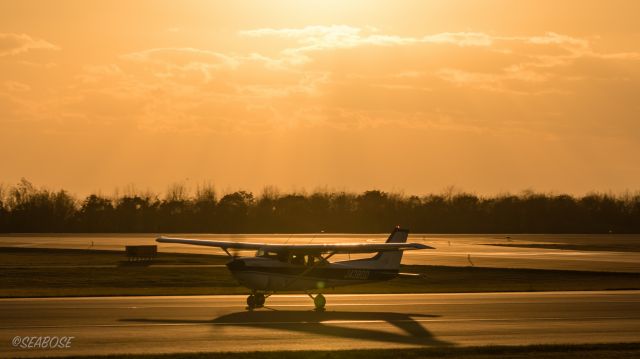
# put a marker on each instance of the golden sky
(414, 96)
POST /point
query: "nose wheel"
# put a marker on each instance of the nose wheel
(319, 302)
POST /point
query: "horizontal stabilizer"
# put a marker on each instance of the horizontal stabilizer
(411, 275)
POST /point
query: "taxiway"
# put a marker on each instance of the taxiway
(111, 325)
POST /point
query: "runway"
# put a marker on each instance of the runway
(451, 250)
(220, 323)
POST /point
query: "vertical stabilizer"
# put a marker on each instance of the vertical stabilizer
(391, 259)
(398, 235)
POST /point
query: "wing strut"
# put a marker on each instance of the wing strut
(322, 260)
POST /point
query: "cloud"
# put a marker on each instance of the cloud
(317, 38)
(549, 49)
(337, 36)
(342, 36)
(308, 33)
(181, 57)
(345, 77)
(460, 39)
(619, 56)
(13, 44)
(176, 62)
(15, 86)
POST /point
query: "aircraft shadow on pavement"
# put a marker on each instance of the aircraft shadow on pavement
(330, 324)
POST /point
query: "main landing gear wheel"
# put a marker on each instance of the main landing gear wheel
(319, 301)
(255, 301)
(259, 300)
(251, 302)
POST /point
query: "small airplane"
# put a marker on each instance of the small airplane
(306, 267)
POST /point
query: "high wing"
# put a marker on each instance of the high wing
(300, 248)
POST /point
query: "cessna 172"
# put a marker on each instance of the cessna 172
(306, 267)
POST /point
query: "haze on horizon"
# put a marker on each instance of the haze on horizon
(409, 96)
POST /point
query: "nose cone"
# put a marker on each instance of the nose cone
(236, 264)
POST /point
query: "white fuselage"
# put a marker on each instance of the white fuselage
(269, 274)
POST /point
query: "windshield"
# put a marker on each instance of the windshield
(267, 254)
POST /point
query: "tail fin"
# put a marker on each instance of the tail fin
(391, 259)
(398, 235)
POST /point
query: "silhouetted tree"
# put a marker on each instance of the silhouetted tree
(25, 208)
(204, 209)
(233, 211)
(96, 214)
(4, 211)
(34, 210)
(263, 216)
(136, 214)
(295, 209)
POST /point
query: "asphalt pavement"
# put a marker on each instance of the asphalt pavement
(451, 250)
(107, 325)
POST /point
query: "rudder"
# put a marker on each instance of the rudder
(391, 259)
(398, 235)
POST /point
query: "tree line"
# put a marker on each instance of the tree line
(25, 208)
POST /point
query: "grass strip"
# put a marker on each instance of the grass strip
(572, 247)
(19, 256)
(53, 282)
(41, 272)
(547, 351)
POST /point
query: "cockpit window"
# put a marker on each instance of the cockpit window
(292, 258)
(263, 253)
(297, 259)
